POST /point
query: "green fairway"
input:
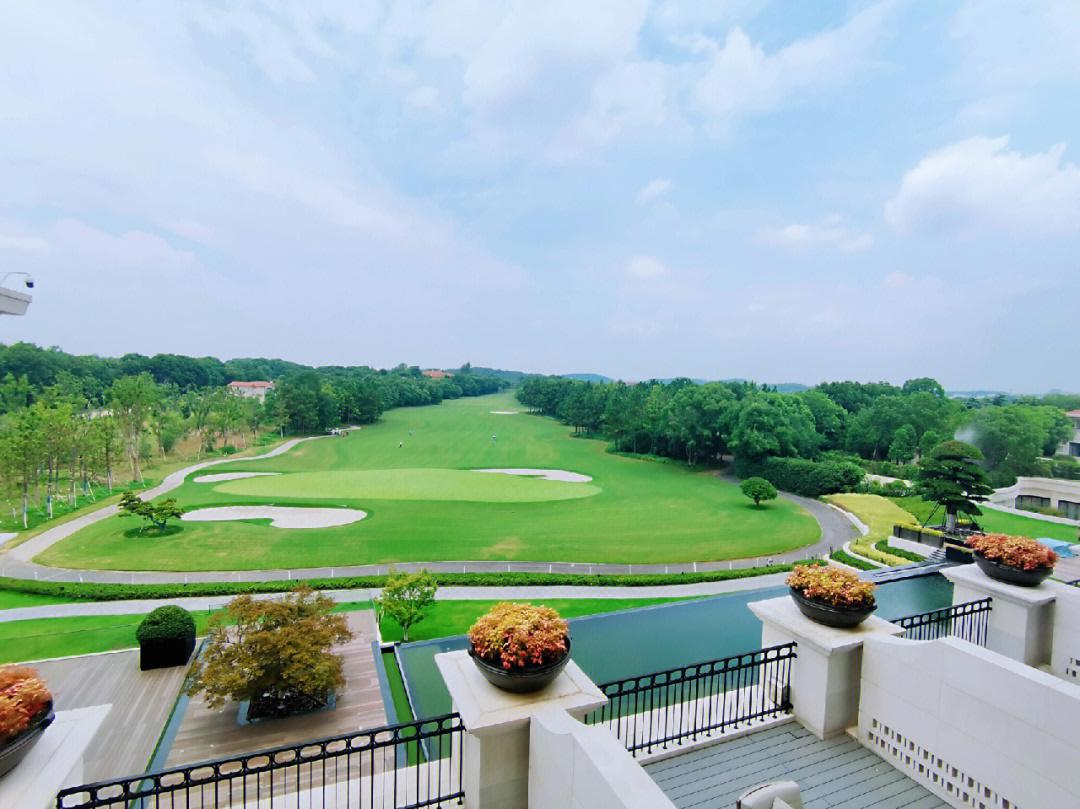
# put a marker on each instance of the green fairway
(423, 503)
(408, 484)
(996, 522)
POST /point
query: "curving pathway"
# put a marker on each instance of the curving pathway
(17, 563)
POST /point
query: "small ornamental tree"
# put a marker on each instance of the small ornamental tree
(406, 597)
(153, 514)
(758, 489)
(275, 653)
(951, 477)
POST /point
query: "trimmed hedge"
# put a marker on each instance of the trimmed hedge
(806, 478)
(166, 623)
(121, 592)
(851, 561)
(911, 556)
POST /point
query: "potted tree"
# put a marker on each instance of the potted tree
(273, 656)
(520, 647)
(1015, 560)
(831, 596)
(26, 710)
(166, 638)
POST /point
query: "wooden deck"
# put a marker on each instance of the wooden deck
(835, 774)
(141, 702)
(205, 734)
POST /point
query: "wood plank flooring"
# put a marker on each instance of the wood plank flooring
(834, 774)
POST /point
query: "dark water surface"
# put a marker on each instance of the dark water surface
(622, 644)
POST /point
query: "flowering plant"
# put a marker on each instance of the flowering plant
(831, 585)
(1021, 552)
(22, 695)
(519, 636)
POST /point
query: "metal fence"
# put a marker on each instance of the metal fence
(406, 766)
(655, 710)
(967, 621)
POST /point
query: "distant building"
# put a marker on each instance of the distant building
(436, 374)
(1072, 446)
(256, 390)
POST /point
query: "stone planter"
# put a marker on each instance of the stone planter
(244, 720)
(1011, 574)
(163, 654)
(829, 614)
(523, 681)
(17, 748)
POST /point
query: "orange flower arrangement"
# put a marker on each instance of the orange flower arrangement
(831, 585)
(22, 695)
(1021, 552)
(519, 636)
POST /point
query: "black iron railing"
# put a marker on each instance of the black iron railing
(967, 621)
(655, 710)
(405, 766)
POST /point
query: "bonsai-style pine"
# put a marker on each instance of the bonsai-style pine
(951, 477)
(758, 489)
(276, 654)
(153, 514)
(406, 597)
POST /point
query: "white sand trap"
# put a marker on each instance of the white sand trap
(281, 516)
(231, 476)
(544, 474)
(500, 413)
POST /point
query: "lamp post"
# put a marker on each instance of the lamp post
(12, 302)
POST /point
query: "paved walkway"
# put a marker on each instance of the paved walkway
(206, 603)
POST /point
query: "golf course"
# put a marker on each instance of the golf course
(469, 479)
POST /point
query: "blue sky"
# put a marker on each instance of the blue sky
(778, 191)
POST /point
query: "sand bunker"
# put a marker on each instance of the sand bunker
(280, 516)
(504, 412)
(231, 476)
(544, 474)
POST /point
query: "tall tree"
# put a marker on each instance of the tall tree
(131, 398)
(951, 477)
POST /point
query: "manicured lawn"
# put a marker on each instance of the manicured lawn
(634, 510)
(879, 515)
(996, 522)
(10, 600)
(397, 689)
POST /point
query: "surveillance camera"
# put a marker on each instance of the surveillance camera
(29, 282)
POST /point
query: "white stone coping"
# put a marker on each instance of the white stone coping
(971, 576)
(784, 613)
(55, 760)
(486, 709)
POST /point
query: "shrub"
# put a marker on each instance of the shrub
(758, 489)
(166, 623)
(279, 649)
(807, 478)
(884, 547)
(831, 585)
(851, 561)
(1021, 552)
(518, 636)
(22, 695)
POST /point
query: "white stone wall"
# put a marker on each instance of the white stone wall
(1065, 654)
(975, 727)
(573, 766)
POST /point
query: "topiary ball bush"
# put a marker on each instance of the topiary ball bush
(166, 638)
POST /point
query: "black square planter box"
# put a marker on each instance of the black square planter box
(163, 654)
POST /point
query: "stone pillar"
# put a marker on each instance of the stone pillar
(495, 748)
(827, 668)
(1021, 621)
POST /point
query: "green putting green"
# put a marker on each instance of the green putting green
(409, 484)
(410, 473)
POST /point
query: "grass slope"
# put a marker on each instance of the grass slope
(879, 515)
(643, 512)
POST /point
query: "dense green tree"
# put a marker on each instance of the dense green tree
(130, 399)
(829, 418)
(903, 446)
(758, 489)
(951, 477)
(773, 425)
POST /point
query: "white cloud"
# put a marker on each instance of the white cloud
(23, 244)
(654, 189)
(742, 78)
(799, 238)
(975, 187)
(644, 267)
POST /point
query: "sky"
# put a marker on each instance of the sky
(786, 192)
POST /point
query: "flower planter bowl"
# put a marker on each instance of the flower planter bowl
(521, 681)
(830, 614)
(163, 654)
(1011, 574)
(16, 748)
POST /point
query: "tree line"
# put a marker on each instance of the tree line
(877, 425)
